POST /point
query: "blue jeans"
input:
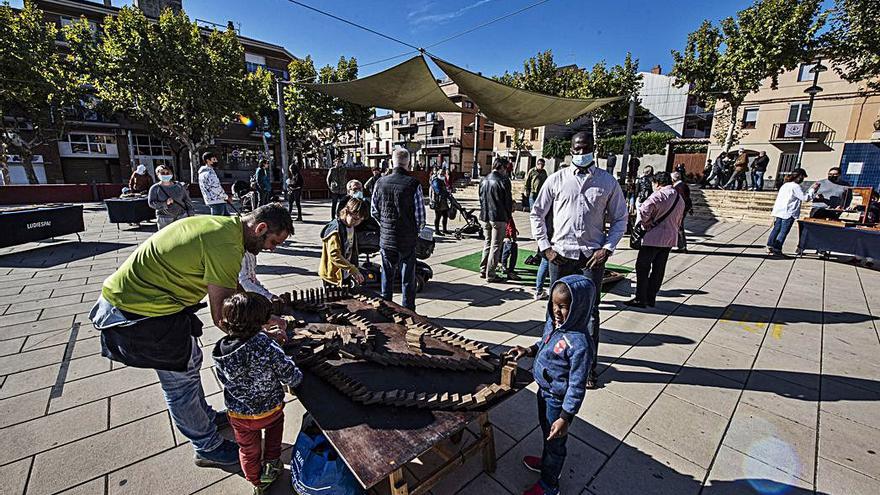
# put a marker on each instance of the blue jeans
(541, 278)
(406, 263)
(186, 402)
(572, 267)
(219, 210)
(758, 180)
(779, 232)
(553, 456)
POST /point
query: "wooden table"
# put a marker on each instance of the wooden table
(377, 441)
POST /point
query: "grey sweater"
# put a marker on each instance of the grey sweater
(159, 194)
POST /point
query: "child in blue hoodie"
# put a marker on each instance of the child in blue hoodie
(562, 364)
(251, 366)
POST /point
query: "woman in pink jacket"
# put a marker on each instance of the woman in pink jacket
(661, 215)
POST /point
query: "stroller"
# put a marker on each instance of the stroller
(473, 223)
(245, 195)
(368, 245)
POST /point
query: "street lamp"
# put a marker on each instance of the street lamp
(812, 91)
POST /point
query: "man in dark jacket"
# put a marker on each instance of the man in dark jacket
(684, 191)
(496, 207)
(399, 207)
(535, 180)
(759, 168)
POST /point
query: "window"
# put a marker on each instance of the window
(468, 129)
(66, 20)
(253, 58)
(534, 134)
(488, 160)
(804, 73)
(799, 112)
(508, 141)
(449, 131)
(387, 125)
(430, 116)
(750, 118)
(90, 143)
(468, 104)
(150, 146)
(502, 136)
(387, 147)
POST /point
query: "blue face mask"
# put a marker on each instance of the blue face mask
(165, 178)
(582, 161)
(358, 195)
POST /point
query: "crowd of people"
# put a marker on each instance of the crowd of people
(578, 215)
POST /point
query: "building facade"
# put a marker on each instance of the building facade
(838, 130)
(378, 142)
(105, 148)
(673, 109)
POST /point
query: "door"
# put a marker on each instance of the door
(787, 164)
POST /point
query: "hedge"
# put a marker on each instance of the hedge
(643, 143)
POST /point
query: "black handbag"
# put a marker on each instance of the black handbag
(638, 231)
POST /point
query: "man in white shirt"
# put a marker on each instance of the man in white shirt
(788, 208)
(581, 198)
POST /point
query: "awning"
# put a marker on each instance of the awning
(514, 107)
(410, 86)
(404, 87)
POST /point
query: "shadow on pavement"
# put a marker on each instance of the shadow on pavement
(58, 254)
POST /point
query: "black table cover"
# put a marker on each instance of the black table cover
(838, 239)
(23, 225)
(129, 210)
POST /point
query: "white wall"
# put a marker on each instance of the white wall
(666, 102)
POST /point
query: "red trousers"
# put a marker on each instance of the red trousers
(249, 435)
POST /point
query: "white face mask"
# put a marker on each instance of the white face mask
(358, 195)
(582, 161)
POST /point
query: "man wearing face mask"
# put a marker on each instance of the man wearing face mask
(830, 194)
(147, 311)
(354, 189)
(581, 198)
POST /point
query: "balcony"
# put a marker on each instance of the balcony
(440, 141)
(815, 132)
(278, 73)
(404, 122)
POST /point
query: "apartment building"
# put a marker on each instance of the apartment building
(840, 129)
(104, 148)
(378, 141)
(445, 138)
(673, 109)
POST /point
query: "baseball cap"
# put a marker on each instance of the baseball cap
(801, 172)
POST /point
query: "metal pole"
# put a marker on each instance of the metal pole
(282, 131)
(627, 144)
(476, 169)
(806, 128)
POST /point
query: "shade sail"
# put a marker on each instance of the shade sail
(514, 107)
(404, 87)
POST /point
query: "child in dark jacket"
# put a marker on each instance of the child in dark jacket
(562, 364)
(251, 366)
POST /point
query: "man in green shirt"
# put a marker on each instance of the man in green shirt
(535, 180)
(146, 311)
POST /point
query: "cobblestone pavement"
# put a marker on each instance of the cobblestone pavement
(752, 375)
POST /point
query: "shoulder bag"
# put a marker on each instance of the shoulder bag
(638, 231)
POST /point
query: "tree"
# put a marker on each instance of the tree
(854, 41)
(314, 118)
(556, 148)
(183, 82)
(621, 80)
(38, 86)
(731, 60)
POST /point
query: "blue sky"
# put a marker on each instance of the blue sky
(578, 31)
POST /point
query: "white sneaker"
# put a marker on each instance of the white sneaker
(540, 294)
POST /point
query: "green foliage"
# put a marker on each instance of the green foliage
(729, 61)
(556, 148)
(620, 80)
(37, 85)
(186, 84)
(643, 143)
(854, 41)
(313, 117)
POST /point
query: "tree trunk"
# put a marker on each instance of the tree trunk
(193, 162)
(595, 138)
(27, 162)
(518, 143)
(731, 126)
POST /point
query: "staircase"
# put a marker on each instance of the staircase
(746, 206)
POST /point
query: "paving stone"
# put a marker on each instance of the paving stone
(849, 444)
(774, 440)
(29, 360)
(604, 420)
(517, 415)
(101, 386)
(70, 309)
(28, 438)
(853, 403)
(482, 485)
(638, 384)
(45, 302)
(94, 487)
(87, 459)
(14, 476)
(136, 404)
(23, 407)
(641, 466)
(18, 318)
(789, 367)
(793, 402)
(831, 477)
(735, 473)
(33, 327)
(12, 346)
(25, 296)
(580, 464)
(726, 362)
(694, 435)
(173, 469)
(708, 390)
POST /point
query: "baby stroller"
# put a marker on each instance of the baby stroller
(368, 245)
(246, 197)
(473, 223)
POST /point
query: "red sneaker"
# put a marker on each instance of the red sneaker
(532, 463)
(536, 489)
